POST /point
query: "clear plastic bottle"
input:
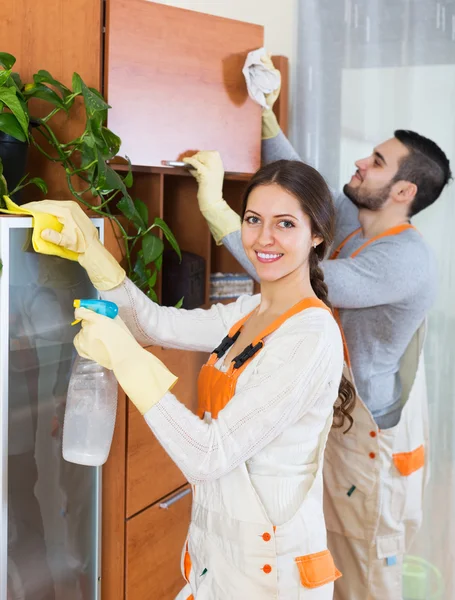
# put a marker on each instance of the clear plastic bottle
(90, 412)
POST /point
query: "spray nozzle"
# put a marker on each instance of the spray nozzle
(102, 307)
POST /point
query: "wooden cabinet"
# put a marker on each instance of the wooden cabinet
(155, 539)
(173, 78)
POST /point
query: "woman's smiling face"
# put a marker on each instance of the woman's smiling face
(276, 233)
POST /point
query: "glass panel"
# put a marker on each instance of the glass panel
(52, 504)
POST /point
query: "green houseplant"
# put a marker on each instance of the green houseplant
(14, 125)
(85, 158)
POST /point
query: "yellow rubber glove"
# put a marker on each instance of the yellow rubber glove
(209, 173)
(108, 342)
(62, 228)
(270, 127)
(41, 222)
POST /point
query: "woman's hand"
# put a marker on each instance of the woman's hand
(80, 236)
(209, 173)
(109, 342)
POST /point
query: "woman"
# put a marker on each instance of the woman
(266, 395)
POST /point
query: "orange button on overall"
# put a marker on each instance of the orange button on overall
(266, 537)
(267, 569)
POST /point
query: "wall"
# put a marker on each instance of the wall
(278, 18)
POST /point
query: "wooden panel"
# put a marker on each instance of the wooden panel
(155, 540)
(61, 37)
(181, 212)
(113, 511)
(151, 474)
(113, 480)
(281, 106)
(175, 84)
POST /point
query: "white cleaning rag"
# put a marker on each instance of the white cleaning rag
(260, 79)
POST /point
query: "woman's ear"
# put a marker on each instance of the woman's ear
(317, 239)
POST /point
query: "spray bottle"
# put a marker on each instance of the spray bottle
(91, 403)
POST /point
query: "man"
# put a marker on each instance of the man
(382, 280)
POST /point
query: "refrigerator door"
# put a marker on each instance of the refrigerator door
(50, 508)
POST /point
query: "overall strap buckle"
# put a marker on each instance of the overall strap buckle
(225, 345)
(249, 352)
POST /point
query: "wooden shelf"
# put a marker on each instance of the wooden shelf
(175, 171)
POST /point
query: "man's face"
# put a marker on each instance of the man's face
(372, 183)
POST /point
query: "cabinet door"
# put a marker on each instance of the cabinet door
(175, 84)
(151, 474)
(154, 541)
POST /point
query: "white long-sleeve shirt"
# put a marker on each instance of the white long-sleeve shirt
(282, 401)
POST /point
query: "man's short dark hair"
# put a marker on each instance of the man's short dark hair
(426, 165)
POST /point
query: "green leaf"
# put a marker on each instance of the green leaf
(23, 103)
(107, 178)
(168, 234)
(10, 125)
(128, 179)
(7, 60)
(180, 302)
(126, 206)
(152, 280)
(45, 77)
(90, 141)
(41, 91)
(102, 113)
(8, 97)
(152, 247)
(17, 80)
(40, 183)
(106, 141)
(112, 144)
(94, 127)
(94, 102)
(3, 184)
(142, 211)
(114, 181)
(159, 262)
(87, 158)
(76, 84)
(152, 295)
(4, 76)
